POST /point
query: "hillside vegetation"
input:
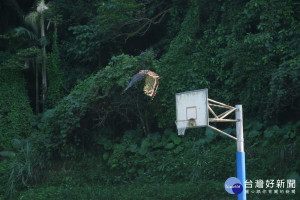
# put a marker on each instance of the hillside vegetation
(68, 131)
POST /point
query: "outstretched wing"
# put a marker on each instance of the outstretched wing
(151, 84)
(139, 76)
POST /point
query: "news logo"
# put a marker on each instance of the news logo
(233, 185)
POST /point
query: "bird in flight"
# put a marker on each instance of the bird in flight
(151, 82)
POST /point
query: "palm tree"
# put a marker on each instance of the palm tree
(37, 20)
(13, 15)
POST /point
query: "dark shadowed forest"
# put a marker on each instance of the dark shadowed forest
(69, 131)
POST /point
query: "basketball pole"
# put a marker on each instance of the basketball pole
(189, 99)
(240, 154)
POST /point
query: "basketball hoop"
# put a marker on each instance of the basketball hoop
(181, 126)
(192, 111)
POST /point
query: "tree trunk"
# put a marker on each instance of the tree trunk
(44, 73)
(37, 102)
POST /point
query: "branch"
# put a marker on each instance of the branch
(145, 27)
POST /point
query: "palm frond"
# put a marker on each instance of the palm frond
(24, 31)
(33, 20)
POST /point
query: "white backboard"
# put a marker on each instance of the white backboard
(192, 105)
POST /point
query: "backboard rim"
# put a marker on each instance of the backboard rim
(205, 89)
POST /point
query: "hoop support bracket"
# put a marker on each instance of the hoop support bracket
(214, 128)
(221, 117)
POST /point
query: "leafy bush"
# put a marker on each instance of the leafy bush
(4, 176)
(129, 191)
(23, 166)
(15, 112)
(157, 161)
(60, 124)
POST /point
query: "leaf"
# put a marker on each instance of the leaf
(144, 146)
(105, 156)
(114, 165)
(133, 148)
(7, 153)
(107, 144)
(178, 149)
(33, 19)
(176, 140)
(229, 130)
(143, 151)
(169, 145)
(293, 134)
(132, 170)
(253, 133)
(257, 125)
(210, 135)
(272, 131)
(268, 133)
(141, 171)
(17, 144)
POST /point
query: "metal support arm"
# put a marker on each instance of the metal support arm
(214, 128)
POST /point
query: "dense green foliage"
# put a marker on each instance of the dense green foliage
(61, 124)
(55, 74)
(13, 99)
(93, 141)
(242, 52)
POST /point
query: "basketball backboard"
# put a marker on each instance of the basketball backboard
(192, 109)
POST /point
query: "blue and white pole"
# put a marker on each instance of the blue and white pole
(240, 154)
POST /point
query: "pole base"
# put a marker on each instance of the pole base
(241, 173)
